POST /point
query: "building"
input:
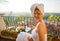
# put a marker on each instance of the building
(2, 24)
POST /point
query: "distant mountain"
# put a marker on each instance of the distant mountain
(46, 14)
(18, 14)
(26, 14)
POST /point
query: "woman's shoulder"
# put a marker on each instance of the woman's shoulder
(41, 23)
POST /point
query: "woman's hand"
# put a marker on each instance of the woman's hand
(30, 39)
(32, 26)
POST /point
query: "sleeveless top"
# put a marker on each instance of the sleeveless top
(35, 36)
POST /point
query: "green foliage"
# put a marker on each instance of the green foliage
(54, 17)
(58, 18)
(9, 33)
(12, 20)
(51, 37)
(6, 21)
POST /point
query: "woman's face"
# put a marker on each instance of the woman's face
(38, 15)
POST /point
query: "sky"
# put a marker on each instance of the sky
(24, 5)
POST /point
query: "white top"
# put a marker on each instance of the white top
(23, 36)
(35, 34)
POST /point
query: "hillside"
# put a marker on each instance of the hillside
(27, 14)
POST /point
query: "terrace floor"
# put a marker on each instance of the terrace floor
(3, 39)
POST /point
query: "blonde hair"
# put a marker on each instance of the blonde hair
(39, 6)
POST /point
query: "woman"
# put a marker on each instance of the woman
(40, 30)
(39, 33)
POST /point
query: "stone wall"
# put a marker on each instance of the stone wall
(2, 24)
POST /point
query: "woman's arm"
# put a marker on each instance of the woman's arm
(42, 32)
